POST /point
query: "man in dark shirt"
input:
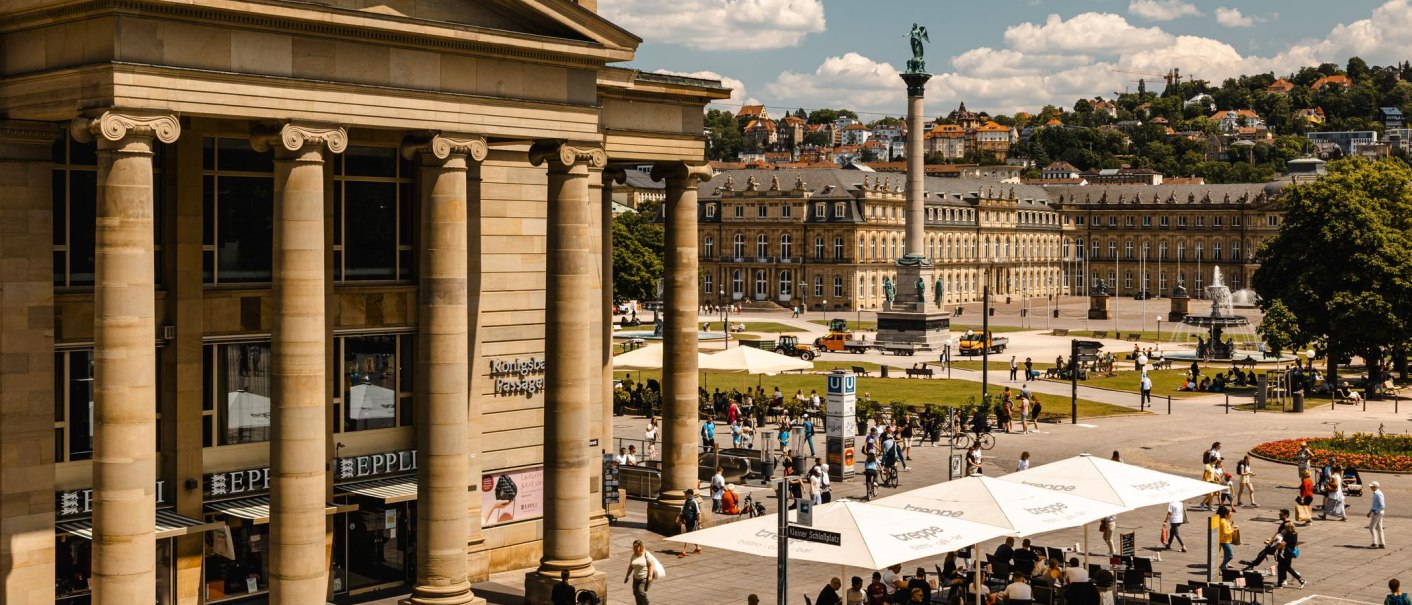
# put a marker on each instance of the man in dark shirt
(919, 582)
(1005, 552)
(829, 595)
(563, 593)
(1024, 559)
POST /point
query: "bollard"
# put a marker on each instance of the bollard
(1228, 404)
(1169, 405)
(1396, 400)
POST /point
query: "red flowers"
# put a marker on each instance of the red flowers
(1363, 451)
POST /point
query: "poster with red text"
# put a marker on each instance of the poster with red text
(511, 496)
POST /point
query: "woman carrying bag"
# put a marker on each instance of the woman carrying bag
(643, 569)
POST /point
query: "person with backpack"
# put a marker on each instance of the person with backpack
(1287, 552)
(689, 518)
(809, 433)
(1395, 595)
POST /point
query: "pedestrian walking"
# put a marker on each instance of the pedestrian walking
(1333, 496)
(1303, 503)
(1014, 368)
(1107, 528)
(650, 436)
(1176, 516)
(809, 433)
(1209, 475)
(1247, 481)
(641, 571)
(1226, 535)
(1395, 595)
(1302, 458)
(1145, 385)
(1285, 555)
(718, 489)
(1375, 515)
(689, 518)
(1272, 543)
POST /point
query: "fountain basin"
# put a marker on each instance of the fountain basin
(649, 335)
(1223, 321)
(1239, 357)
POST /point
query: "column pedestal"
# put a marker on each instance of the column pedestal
(1098, 306)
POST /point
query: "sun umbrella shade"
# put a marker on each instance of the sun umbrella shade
(1113, 482)
(872, 537)
(646, 358)
(751, 360)
(1020, 510)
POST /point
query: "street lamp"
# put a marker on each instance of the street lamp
(1159, 330)
(726, 319)
(825, 304)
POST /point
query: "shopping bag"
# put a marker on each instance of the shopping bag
(1303, 513)
(1165, 536)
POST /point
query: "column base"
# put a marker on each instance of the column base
(440, 595)
(539, 586)
(662, 516)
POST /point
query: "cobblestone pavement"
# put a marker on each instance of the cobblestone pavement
(1334, 558)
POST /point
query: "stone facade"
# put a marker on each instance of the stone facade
(296, 210)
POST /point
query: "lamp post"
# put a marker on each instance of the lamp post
(726, 318)
(825, 304)
(1159, 330)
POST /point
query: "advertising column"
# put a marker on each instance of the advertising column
(841, 423)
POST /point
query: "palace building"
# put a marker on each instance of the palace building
(305, 300)
(827, 238)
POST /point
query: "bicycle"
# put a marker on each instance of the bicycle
(750, 508)
(890, 476)
(963, 440)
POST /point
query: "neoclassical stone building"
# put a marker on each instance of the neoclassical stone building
(303, 300)
(827, 238)
(1150, 238)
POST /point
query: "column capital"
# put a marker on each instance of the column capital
(693, 172)
(442, 145)
(290, 136)
(614, 175)
(558, 154)
(118, 124)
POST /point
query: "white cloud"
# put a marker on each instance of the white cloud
(719, 24)
(1062, 60)
(1232, 17)
(737, 87)
(851, 80)
(1084, 33)
(1162, 10)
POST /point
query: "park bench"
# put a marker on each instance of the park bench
(1162, 364)
(1052, 372)
(1061, 331)
(1248, 362)
(1134, 337)
(923, 372)
(860, 370)
(1100, 334)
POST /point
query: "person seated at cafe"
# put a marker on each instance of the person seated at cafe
(1075, 572)
(1023, 559)
(730, 501)
(919, 582)
(1018, 589)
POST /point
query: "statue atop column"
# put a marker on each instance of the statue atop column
(657, 324)
(889, 290)
(916, 37)
(938, 291)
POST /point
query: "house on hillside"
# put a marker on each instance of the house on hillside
(1060, 170)
(949, 140)
(1232, 120)
(761, 132)
(855, 134)
(1312, 116)
(1343, 81)
(1201, 100)
(1280, 87)
(790, 131)
(1391, 117)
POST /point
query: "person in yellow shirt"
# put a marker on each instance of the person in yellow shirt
(1226, 535)
(1209, 474)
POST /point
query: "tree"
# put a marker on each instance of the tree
(817, 139)
(723, 138)
(1340, 260)
(637, 254)
(1280, 329)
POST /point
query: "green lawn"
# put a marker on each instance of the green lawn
(913, 391)
(854, 325)
(1148, 336)
(996, 364)
(961, 328)
(1164, 382)
(763, 327)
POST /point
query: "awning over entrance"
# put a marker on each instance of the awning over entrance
(390, 491)
(258, 509)
(169, 525)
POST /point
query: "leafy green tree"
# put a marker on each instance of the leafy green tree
(1280, 329)
(1340, 261)
(637, 254)
(723, 137)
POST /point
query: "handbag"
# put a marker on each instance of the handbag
(505, 488)
(658, 571)
(1235, 537)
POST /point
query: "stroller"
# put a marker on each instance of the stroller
(586, 597)
(1352, 482)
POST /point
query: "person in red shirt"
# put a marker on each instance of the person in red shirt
(877, 591)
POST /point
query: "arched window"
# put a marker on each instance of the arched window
(860, 256)
(738, 246)
(786, 246)
(762, 246)
(1235, 249)
(737, 284)
(1112, 249)
(873, 249)
(894, 248)
(838, 248)
(709, 246)
(1181, 250)
(786, 285)
(819, 248)
(1128, 250)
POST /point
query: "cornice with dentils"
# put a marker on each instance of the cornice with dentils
(608, 42)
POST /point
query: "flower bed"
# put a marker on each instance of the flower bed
(1364, 451)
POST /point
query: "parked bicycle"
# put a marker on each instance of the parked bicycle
(963, 440)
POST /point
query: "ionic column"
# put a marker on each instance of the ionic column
(443, 351)
(298, 559)
(125, 372)
(680, 419)
(567, 399)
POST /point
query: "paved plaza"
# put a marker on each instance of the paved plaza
(1334, 558)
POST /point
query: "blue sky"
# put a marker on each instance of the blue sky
(1001, 55)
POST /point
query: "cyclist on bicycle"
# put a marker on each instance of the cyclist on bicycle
(891, 454)
(980, 423)
(870, 476)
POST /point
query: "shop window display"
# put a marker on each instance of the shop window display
(376, 381)
(238, 389)
(237, 562)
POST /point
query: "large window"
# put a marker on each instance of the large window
(375, 382)
(838, 248)
(786, 285)
(710, 246)
(818, 285)
(238, 387)
(238, 187)
(737, 284)
(372, 215)
(73, 405)
(762, 246)
(75, 195)
(819, 248)
(838, 287)
(786, 246)
(738, 245)
(709, 285)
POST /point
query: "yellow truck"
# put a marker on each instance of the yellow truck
(975, 343)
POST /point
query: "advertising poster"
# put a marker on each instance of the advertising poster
(511, 496)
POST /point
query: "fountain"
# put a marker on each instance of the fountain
(1221, 317)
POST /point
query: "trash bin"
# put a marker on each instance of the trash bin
(1297, 405)
(882, 371)
(767, 468)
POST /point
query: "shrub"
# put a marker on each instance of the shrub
(1365, 451)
